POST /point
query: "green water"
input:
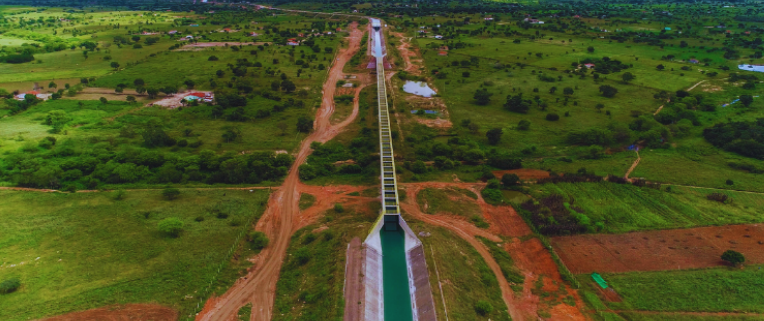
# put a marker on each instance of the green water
(395, 278)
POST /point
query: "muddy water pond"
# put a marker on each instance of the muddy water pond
(418, 88)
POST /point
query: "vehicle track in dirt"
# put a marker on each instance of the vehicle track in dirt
(278, 222)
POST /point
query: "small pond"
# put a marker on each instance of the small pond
(418, 88)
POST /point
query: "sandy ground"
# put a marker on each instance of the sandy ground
(660, 250)
(173, 101)
(283, 217)
(129, 312)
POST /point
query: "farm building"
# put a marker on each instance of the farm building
(590, 66)
(22, 96)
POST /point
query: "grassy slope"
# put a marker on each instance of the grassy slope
(627, 208)
(94, 251)
(450, 201)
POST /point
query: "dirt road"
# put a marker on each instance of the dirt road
(633, 166)
(259, 286)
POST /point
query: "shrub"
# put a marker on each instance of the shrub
(733, 257)
(552, 117)
(10, 285)
(213, 58)
(171, 226)
(483, 307)
(170, 193)
(309, 238)
(339, 208)
(119, 195)
(199, 218)
(302, 255)
(182, 143)
(257, 240)
(524, 125)
(719, 197)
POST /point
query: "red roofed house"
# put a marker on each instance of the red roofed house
(442, 53)
(590, 66)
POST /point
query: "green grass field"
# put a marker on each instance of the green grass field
(626, 208)
(708, 290)
(81, 251)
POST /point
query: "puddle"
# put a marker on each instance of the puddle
(431, 112)
(418, 88)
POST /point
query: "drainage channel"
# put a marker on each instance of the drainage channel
(395, 273)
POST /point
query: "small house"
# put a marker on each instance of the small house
(589, 66)
(292, 43)
(438, 37)
(694, 61)
(194, 25)
(189, 37)
(442, 53)
(667, 29)
(488, 18)
(172, 32)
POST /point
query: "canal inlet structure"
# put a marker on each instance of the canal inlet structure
(396, 283)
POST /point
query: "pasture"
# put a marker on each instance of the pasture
(81, 251)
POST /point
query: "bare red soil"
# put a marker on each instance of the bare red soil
(660, 250)
(129, 312)
(524, 173)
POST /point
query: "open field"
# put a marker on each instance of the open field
(81, 251)
(710, 290)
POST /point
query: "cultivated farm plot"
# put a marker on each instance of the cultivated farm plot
(80, 251)
(625, 208)
(660, 250)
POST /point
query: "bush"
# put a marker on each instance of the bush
(10, 285)
(483, 307)
(171, 226)
(733, 257)
(257, 240)
(339, 208)
(523, 125)
(552, 117)
(170, 193)
(119, 195)
(719, 197)
(302, 255)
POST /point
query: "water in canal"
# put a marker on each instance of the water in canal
(394, 274)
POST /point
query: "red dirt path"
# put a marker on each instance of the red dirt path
(660, 250)
(283, 216)
(129, 312)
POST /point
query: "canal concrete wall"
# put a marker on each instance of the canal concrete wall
(419, 281)
(373, 301)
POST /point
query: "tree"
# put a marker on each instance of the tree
(288, 86)
(482, 96)
(627, 77)
(515, 103)
(567, 91)
(733, 257)
(590, 49)
(746, 100)
(115, 65)
(138, 82)
(419, 167)
(304, 124)
(154, 135)
(524, 125)
(220, 73)
(660, 67)
(52, 85)
(189, 83)
(172, 226)
(169, 90)
(103, 100)
(509, 180)
(130, 99)
(152, 92)
(119, 89)
(608, 91)
(231, 134)
(494, 135)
